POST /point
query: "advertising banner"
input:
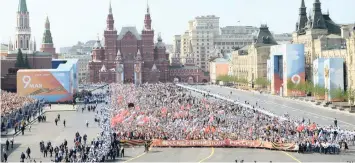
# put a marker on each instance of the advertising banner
(294, 68)
(52, 86)
(318, 72)
(334, 78)
(214, 143)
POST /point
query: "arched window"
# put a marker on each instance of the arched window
(28, 43)
(21, 43)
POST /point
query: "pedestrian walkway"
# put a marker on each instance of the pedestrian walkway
(48, 131)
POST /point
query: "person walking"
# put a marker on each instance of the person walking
(22, 157)
(5, 156)
(335, 122)
(56, 121)
(7, 144)
(87, 123)
(12, 143)
(64, 122)
(28, 151)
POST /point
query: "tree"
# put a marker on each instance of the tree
(26, 63)
(19, 60)
(337, 93)
(319, 90)
(350, 95)
(263, 82)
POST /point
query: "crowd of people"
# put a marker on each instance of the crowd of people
(166, 111)
(17, 111)
(13, 102)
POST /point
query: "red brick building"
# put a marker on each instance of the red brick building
(129, 56)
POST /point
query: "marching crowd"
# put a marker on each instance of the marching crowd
(165, 111)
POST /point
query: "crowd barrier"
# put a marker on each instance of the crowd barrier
(214, 143)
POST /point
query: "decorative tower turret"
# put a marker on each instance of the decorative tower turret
(47, 41)
(119, 68)
(98, 52)
(147, 20)
(110, 35)
(302, 19)
(23, 29)
(317, 16)
(138, 68)
(148, 38)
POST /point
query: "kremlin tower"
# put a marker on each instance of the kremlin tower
(47, 41)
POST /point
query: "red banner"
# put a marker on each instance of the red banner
(224, 143)
(213, 143)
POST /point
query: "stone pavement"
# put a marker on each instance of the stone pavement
(48, 131)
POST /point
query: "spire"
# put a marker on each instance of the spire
(318, 21)
(47, 35)
(22, 6)
(147, 19)
(110, 21)
(110, 9)
(302, 19)
(139, 55)
(159, 37)
(48, 24)
(302, 4)
(148, 12)
(118, 56)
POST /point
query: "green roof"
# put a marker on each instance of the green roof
(47, 37)
(22, 6)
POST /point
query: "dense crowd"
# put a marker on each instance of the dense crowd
(13, 102)
(165, 111)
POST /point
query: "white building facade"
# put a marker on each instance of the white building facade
(83, 69)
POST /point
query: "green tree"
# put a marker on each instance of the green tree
(263, 82)
(19, 60)
(337, 93)
(26, 63)
(350, 95)
(319, 90)
(291, 85)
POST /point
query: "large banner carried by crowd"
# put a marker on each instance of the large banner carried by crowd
(214, 143)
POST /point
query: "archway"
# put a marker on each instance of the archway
(190, 80)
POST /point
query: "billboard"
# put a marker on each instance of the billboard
(276, 68)
(288, 65)
(333, 76)
(52, 86)
(318, 72)
(294, 71)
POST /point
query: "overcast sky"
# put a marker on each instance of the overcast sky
(81, 20)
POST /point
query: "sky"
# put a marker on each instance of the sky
(82, 20)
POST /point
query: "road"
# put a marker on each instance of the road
(279, 106)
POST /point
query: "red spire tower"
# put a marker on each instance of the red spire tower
(110, 37)
(47, 41)
(147, 20)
